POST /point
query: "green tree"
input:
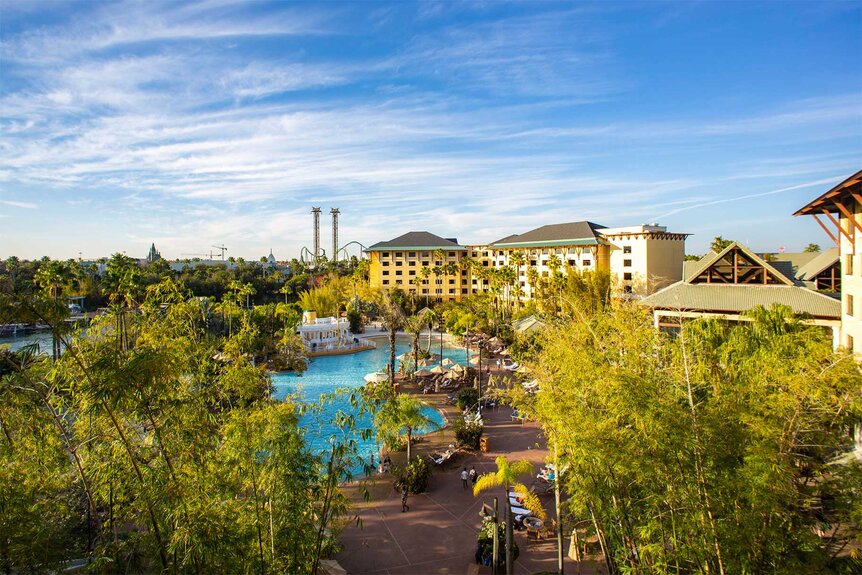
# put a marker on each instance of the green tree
(711, 451)
(719, 243)
(401, 416)
(812, 249)
(506, 477)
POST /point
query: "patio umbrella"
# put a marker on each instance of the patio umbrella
(457, 367)
(474, 360)
(404, 356)
(376, 377)
(437, 369)
(425, 362)
(422, 372)
(447, 362)
(452, 374)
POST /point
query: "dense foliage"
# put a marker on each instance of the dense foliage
(719, 450)
(467, 433)
(415, 475)
(153, 444)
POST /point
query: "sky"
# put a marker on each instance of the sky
(192, 124)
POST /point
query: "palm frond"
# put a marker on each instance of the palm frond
(531, 500)
(486, 481)
(522, 467)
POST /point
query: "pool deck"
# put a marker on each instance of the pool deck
(438, 533)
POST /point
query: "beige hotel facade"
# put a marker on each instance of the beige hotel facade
(641, 259)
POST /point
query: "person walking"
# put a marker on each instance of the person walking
(473, 475)
(464, 477)
(404, 506)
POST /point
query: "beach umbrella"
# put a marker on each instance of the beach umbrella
(457, 367)
(437, 369)
(376, 377)
(447, 362)
(404, 356)
(474, 360)
(425, 362)
(452, 374)
(422, 372)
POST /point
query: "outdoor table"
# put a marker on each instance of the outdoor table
(534, 525)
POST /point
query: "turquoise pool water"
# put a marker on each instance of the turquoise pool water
(327, 374)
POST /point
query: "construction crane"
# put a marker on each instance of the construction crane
(223, 250)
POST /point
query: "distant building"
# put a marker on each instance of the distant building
(329, 335)
(727, 284)
(408, 262)
(153, 254)
(270, 260)
(640, 259)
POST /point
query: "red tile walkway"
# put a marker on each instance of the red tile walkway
(438, 533)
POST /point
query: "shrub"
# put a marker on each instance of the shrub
(468, 434)
(415, 475)
(467, 397)
(354, 319)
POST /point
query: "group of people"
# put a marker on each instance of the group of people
(469, 476)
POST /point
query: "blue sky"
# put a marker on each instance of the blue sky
(189, 124)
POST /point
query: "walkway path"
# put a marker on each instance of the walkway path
(438, 533)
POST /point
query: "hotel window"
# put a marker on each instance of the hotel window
(533, 263)
(627, 276)
(451, 254)
(627, 263)
(398, 272)
(398, 263)
(399, 254)
(411, 263)
(848, 265)
(849, 343)
(451, 282)
(485, 263)
(439, 282)
(523, 284)
(425, 291)
(572, 263)
(411, 273)
(473, 254)
(386, 272)
(463, 290)
(411, 254)
(627, 249)
(385, 263)
(627, 289)
(424, 264)
(463, 272)
(425, 255)
(451, 292)
(585, 263)
(849, 304)
(386, 282)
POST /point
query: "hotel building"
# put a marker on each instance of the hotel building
(842, 207)
(640, 259)
(409, 262)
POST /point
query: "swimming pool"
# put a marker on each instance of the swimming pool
(329, 373)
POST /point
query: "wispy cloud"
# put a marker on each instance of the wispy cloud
(15, 204)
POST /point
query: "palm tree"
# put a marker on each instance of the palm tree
(414, 326)
(402, 415)
(506, 477)
(393, 319)
(53, 277)
(517, 259)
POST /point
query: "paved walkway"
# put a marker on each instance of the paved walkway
(438, 533)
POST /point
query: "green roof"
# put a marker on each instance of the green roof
(823, 261)
(417, 241)
(737, 298)
(571, 234)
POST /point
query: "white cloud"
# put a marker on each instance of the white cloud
(16, 204)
